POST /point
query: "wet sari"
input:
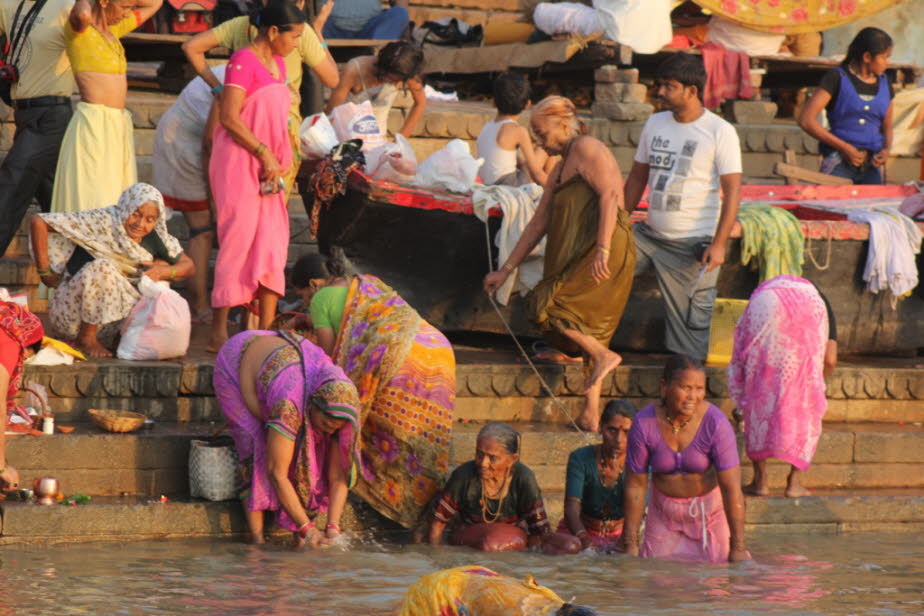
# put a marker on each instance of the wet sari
(291, 379)
(404, 369)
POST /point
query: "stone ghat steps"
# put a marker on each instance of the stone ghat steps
(131, 518)
(154, 462)
(490, 385)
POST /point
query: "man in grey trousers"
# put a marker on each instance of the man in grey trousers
(690, 160)
(41, 107)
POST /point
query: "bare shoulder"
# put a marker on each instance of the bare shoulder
(587, 145)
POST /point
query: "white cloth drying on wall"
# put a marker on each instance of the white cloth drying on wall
(566, 18)
(894, 240)
(643, 25)
(738, 38)
(518, 204)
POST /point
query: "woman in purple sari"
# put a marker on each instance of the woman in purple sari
(293, 416)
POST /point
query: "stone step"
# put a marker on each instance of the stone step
(154, 461)
(132, 518)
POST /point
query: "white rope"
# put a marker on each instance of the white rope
(545, 386)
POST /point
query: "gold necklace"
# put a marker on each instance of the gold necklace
(485, 511)
(674, 427)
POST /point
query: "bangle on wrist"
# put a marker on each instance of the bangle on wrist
(324, 44)
(506, 267)
(333, 527)
(44, 272)
(260, 149)
(582, 533)
(172, 273)
(603, 249)
(216, 90)
(304, 529)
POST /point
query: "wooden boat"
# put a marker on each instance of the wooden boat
(432, 249)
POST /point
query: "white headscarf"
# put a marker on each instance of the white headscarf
(101, 232)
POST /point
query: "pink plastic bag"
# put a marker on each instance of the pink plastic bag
(158, 326)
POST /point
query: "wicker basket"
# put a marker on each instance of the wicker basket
(117, 421)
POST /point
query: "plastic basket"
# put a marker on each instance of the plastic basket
(725, 316)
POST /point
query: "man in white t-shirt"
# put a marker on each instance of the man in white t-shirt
(685, 156)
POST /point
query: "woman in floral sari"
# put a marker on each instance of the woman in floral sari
(293, 415)
(404, 369)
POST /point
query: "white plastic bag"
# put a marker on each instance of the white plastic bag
(392, 162)
(453, 168)
(317, 136)
(357, 121)
(158, 325)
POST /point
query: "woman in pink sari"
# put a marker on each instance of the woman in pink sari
(250, 152)
(785, 346)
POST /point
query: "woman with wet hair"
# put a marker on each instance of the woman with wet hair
(377, 78)
(493, 502)
(696, 507)
(594, 486)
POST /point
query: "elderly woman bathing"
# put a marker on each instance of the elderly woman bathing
(590, 251)
(251, 152)
(97, 159)
(594, 486)
(696, 509)
(399, 362)
(495, 497)
(93, 259)
(293, 415)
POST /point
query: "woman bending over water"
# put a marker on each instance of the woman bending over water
(294, 418)
(696, 510)
(495, 497)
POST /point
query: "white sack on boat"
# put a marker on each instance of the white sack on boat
(518, 203)
(643, 25)
(452, 168)
(907, 123)
(894, 240)
(566, 18)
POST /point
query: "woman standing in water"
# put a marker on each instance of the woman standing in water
(696, 509)
(858, 99)
(294, 418)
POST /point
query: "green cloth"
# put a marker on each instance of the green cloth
(771, 239)
(327, 307)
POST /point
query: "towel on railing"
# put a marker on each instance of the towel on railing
(771, 240)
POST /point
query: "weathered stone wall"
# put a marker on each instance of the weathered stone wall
(473, 12)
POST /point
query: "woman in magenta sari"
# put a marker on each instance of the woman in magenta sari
(696, 509)
(251, 150)
(294, 416)
(785, 346)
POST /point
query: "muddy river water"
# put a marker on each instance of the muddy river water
(797, 574)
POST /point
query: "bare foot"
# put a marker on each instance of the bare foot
(796, 492)
(601, 367)
(92, 347)
(215, 344)
(753, 489)
(253, 539)
(551, 355)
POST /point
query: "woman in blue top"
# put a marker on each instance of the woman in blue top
(858, 99)
(594, 486)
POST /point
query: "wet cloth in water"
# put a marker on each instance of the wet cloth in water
(290, 379)
(522, 505)
(405, 372)
(101, 292)
(476, 591)
(567, 297)
(771, 240)
(253, 227)
(686, 528)
(776, 373)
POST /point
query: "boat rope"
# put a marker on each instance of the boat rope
(811, 254)
(548, 390)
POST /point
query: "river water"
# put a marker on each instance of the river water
(798, 574)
